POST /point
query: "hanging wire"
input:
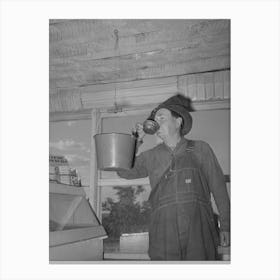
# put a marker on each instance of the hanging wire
(116, 32)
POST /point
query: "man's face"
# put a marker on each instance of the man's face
(169, 125)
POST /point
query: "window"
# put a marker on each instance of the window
(125, 217)
(69, 149)
(73, 224)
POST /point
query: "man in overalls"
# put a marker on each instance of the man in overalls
(182, 175)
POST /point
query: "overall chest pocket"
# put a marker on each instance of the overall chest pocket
(189, 181)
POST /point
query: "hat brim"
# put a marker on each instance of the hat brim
(181, 110)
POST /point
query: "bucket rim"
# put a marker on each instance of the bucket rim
(113, 133)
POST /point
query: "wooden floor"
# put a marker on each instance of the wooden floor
(126, 256)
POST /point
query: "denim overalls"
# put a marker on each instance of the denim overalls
(182, 225)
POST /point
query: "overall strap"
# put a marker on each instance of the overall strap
(155, 188)
(190, 145)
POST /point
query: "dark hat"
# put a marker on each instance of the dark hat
(182, 106)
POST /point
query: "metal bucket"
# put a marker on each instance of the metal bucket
(114, 151)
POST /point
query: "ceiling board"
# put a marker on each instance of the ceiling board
(88, 52)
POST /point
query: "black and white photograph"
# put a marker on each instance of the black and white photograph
(139, 140)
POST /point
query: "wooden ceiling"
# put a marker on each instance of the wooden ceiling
(83, 53)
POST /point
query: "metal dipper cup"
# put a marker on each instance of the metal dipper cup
(150, 126)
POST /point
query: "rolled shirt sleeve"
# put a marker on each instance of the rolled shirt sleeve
(139, 169)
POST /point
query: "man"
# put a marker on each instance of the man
(182, 175)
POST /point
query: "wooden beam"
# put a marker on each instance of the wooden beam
(131, 71)
(93, 191)
(208, 86)
(70, 116)
(58, 238)
(141, 110)
(66, 189)
(95, 38)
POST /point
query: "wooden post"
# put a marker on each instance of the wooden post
(93, 191)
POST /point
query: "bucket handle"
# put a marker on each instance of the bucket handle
(135, 134)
